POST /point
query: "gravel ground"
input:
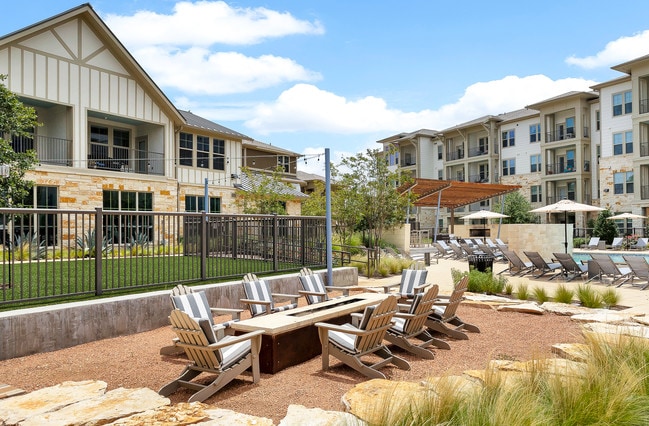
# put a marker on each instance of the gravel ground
(134, 361)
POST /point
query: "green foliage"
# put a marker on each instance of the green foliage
(87, 246)
(605, 228)
(366, 196)
(316, 204)
(522, 291)
(266, 195)
(480, 282)
(28, 247)
(563, 294)
(589, 297)
(517, 207)
(610, 297)
(17, 119)
(540, 294)
(509, 289)
(578, 242)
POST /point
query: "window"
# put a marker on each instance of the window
(597, 120)
(622, 142)
(535, 163)
(203, 152)
(571, 190)
(186, 157)
(536, 195)
(283, 162)
(218, 154)
(623, 183)
(570, 127)
(535, 133)
(440, 174)
(508, 137)
(109, 147)
(124, 228)
(439, 152)
(509, 167)
(622, 103)
(46, 226)
(196, 203)
(483, 145)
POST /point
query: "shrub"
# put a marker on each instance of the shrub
(509, 289)
(522, 291)
(485, 282)
(610, 297)
(588, 297)
(563, 294)
(383, 270)
(540, 294)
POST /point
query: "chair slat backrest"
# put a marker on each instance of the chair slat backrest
(376, 320)
(567, 262)
(638, 265)
(422, 304)
(258, 290)
(536, 259)
(514, 259)
(313, 283)
(194, 304)
(456, 297)
(190, 332)
(411, 278)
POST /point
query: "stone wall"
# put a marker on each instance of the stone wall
(49, 328)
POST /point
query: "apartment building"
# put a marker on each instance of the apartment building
(109, 136)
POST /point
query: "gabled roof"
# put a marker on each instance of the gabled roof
(268, 148)
(248, 182)
(626, 66)
(454, 194)
(308, 176)
(203, 123)
(564, 96)
(90, 17)
(409, 135)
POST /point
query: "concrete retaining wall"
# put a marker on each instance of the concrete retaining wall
(49, 328)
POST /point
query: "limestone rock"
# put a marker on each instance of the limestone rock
(477, 297)
(457, 385)
(564, 308)
(525, 308)
(183, 413)
(109, 407)
(558, 366)
(602, 315)
(573, 351)
(633, 330)
(376, 398)
(221, 417)
(298, 415)
(18, 408)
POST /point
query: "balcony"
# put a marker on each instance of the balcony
(644, 149)
(49, 150)
(587, 199)
(144, 162)
(644, 106)
(478, 151)
(559, 135)
(479, 178)
(455, 155)
(558, 168)
(644, 192)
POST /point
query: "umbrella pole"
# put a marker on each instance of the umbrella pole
(565, 230)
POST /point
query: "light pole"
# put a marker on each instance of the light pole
(5, 170)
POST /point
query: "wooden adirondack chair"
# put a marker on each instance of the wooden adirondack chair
(445, 320)
(314, 290)
(413, 281)
(259, 298)
(411, 325)
(227, 357)
(350, 343)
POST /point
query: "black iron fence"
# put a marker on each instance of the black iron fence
(55, 254)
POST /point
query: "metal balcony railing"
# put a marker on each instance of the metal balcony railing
(644, 106)
(49, 150)
(559, 136)
(119, 160)
(480, 177)
(455, 155)
(644, 192)
(644, 149)
(477, 151)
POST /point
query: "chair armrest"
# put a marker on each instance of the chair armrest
(237, 339)
(293, 297)
(311, 293)
(236, 313)
(255, 302)
(355, 332)
(403, 315)
(344, 290)
(386, 288)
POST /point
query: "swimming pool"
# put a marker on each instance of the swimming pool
(615, 257)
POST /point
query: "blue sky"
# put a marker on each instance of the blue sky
(308, 75)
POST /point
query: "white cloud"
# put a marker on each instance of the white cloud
(314, 159)
(205, 23)
(615, 52)
(199, 71)
(305, 107)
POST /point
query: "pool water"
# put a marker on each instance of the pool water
(617, 258)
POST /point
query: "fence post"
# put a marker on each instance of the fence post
(99, 245)
(204, 246)
(275, 244)
(303, 231)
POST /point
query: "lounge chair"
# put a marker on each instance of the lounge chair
(540, 265)
(444, 319)
(500, 242)
(516, 264)
(493, 252)
(413, 281)
(471, 251)
(617, 243)
(195, 304)
(571, 269)
(607, 268)
(641, 244)
(260, 300)
(640, 269)
(351, 342)
(592, 244)
(443, 252)
(410, 324)
(459, 252)
(490, 243)
(227, 357)
(314, 290)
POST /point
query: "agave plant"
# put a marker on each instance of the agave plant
(28, 246)
(86, 243)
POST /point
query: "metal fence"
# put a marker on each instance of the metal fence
(55, 254)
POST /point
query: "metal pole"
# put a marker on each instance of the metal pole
(330, 279)
(207, 198)
(439, 202)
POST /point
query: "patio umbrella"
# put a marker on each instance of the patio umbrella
(566, 206)
(627, 216)
(484, 215)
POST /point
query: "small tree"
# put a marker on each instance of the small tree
(517, 207)
(19, 120)
(605, 228)
(316, 204)
(266, 195)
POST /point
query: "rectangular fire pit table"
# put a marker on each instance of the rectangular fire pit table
(290, 337)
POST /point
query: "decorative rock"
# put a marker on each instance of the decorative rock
(298, 415)
(180, 414)
(458, 385)
(111, 406)
(18, 408)
(573, 351)
(220, 417)
(476, 297)
(616, 329)
(525, 308)
(376, 398)
(601, 315)
(558, 366)
(565, 308)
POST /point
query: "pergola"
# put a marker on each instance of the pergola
(453, 194)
